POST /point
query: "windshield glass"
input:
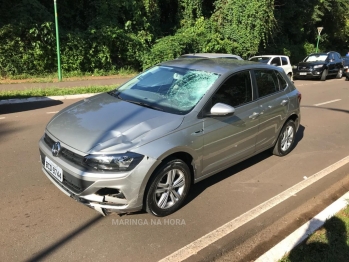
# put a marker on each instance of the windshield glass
(170, 89)
(314, 58)
(263, 59)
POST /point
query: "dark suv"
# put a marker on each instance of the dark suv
(320, 65)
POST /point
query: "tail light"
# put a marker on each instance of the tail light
(299, 96)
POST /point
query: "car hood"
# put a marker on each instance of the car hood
(104, 123)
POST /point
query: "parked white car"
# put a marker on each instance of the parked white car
(276, 60)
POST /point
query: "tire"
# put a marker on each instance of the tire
(290, 76)
(169, 186)
(340, 73)
(323, 75)
(285, 141)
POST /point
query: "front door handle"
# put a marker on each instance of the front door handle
(284, 102)
(254, 115)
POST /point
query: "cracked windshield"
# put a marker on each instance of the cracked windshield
(169, 89)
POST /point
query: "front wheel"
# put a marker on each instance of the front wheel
(286, 138)
(168, 188)
(323, 75)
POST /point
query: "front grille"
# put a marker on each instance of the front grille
(48, 141)
(72, 157)
(67, 154)
(303, 68)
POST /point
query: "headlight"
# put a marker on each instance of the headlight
(294, 67)
(318, 66)
(117, 162)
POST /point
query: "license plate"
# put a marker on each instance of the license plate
(53, 169)
(303, 74)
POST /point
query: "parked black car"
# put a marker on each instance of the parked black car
(320, 65)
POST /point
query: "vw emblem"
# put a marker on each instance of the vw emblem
(56, 149)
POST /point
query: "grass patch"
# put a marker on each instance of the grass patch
(328, 244)
(67, 76)
(54, 91)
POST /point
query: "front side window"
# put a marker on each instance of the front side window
(276, 61)
(267, 82)
(170, 89)
(235, 91)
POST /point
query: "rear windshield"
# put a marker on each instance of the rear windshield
(263, 59)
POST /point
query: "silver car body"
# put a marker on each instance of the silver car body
(104, 124)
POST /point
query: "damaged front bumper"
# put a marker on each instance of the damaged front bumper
(120, 192)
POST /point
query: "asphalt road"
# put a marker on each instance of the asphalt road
(38, 222)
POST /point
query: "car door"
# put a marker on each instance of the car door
(332, 68)
(339, 62)
(273, 102)
(228, 139)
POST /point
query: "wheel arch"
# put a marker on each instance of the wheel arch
(182, 155)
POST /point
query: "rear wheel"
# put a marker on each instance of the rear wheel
(340, 73)
(323, 75)
(168, 188)
(285, 142)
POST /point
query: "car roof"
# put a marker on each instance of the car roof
(319, 54)
(210, 55)
(269, 56)
(215, 65)
(324, 53)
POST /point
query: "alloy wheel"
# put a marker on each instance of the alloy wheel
(287, 138)
(170, 188)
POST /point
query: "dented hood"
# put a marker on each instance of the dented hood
(104, 123)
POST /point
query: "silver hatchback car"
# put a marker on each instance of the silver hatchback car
(142, 145)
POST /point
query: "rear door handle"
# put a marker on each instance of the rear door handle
(284, 102)
(254, 115)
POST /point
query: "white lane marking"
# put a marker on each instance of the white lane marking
(328, 102)
(52, 112)
(295, 238)
(2, 118)
(199, 244)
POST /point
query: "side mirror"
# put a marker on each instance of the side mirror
(221, 109)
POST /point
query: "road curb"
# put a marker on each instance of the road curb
(295, 238)
(46, 98)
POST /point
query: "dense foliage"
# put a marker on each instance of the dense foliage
(101, 36)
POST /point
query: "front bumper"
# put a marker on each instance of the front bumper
(126, 189)
(308, 74)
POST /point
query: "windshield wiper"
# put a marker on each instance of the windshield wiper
(116, 94)
(144, 105)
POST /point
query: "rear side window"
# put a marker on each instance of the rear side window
(284, 61)
(268, 82)
(236, 91)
